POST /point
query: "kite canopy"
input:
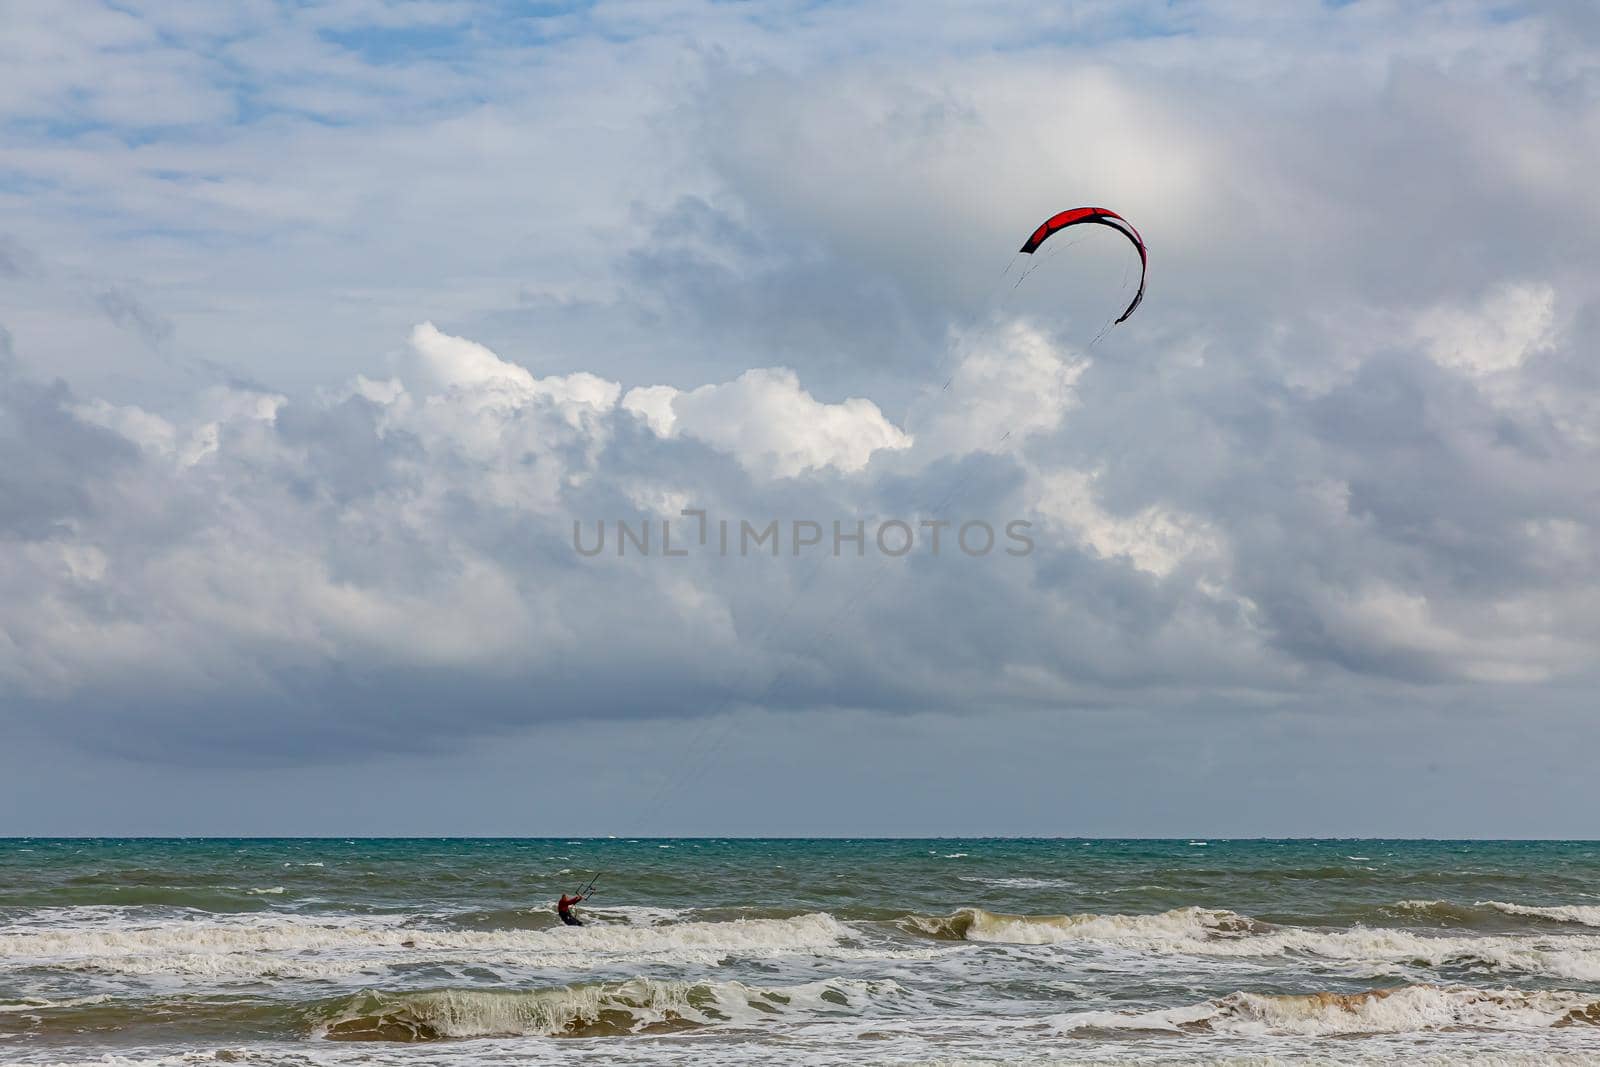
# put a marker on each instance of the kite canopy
(1104, 217)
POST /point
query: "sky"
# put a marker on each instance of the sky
(324, 325)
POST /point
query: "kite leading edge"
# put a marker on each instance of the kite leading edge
(1103, 217)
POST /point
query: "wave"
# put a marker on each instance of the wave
(502, 919)
(544, 918)
(607, 1009)
(1021, 883)
(1384, 1058)
(287, 946)
(1447, 912)
(213, 898)
(647, 1006)
(976, 924)
(1204, 932)
(37, 1004)
(175, 1059)
(637, 1005)
(1581, 914)
(1407, 1009)
(1495, 913)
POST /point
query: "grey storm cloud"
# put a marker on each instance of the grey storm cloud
(57, 470)
(122, 308)
(14, 259)
(1348, 445)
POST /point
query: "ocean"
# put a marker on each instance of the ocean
(327, 951)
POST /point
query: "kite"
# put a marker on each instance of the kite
(1104, 217)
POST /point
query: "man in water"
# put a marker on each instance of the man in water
(564, 909)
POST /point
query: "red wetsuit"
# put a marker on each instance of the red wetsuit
(564, 909)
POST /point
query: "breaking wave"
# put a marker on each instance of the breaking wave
(1485, 912)
(1582, 914)
(1204, 932)
(1380, 1011)
(975, 924)
(1438, 911)
(636, 1006)
(254, 946)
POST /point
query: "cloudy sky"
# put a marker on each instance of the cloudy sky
(322, 323)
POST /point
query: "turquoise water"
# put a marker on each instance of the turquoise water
(830, 951)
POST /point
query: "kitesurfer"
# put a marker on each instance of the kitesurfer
(564, 909)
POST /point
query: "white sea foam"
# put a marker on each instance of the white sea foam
(670, 1056)
(71, 916)
(635, 914)
(1421, 905)
(1406, 1010)
(249, 946)
(1582, 914)
(1020, 883)
(234, 1055)
(1204, 932)
(1176, 926)
(591, 1010)
(1146, 888)
(1346, 1057)
(32, 1004)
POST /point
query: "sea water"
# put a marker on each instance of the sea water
(799, 952)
